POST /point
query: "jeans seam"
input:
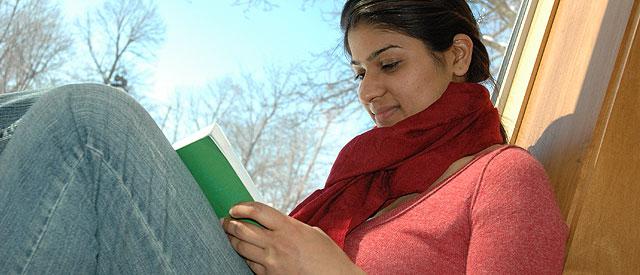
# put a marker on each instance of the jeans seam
(6, 133)
(35, 247)
(155, 242)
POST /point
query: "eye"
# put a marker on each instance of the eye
(389, 67)
(359, 76)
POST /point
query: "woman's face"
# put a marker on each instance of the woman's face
(398, 75)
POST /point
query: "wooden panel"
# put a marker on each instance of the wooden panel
(569, 87)
(605, 218)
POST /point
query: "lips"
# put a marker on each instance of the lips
(383, 114)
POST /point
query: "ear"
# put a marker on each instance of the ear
(462, 50)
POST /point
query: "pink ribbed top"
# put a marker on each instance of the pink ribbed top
(497, 215)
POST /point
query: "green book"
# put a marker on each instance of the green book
(211, 160)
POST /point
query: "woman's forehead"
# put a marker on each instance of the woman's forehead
(366, 40)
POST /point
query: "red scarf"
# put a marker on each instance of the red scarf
(383, 164)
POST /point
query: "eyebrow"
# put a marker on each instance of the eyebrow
(376, 54)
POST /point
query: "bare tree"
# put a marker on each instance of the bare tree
(298, 168)
(270, 125)
(117, 34)
(33, 43)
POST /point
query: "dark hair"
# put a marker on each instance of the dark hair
(434, 22)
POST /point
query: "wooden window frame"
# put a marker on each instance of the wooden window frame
(518, 72)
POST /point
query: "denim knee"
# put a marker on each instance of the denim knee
(98, 110)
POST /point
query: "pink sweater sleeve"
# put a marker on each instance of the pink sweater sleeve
(516, 225)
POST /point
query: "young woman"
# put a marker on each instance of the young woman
(89, 184)
(430, 189)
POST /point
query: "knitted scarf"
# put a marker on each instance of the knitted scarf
(385, 163)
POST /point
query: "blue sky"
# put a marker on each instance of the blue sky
(208, 40)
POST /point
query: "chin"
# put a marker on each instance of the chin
(384, 124)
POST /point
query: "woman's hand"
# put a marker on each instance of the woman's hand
(285, 245)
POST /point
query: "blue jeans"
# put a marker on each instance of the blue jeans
(89, 184)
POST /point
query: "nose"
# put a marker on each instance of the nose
(370, 88)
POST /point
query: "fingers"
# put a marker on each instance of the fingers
(256, 267)
(245, 231)
(247, 250)
(263, 214)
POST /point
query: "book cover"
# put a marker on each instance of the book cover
(218, 171)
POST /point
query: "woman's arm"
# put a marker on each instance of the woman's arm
(517, 227)
(285, 245)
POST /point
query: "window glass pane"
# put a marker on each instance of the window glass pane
(497, 20)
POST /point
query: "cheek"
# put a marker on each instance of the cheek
(423, 93)
(416, 103)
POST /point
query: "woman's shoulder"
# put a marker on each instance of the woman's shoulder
(508, 160)
(493, 165)
(510, 174)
